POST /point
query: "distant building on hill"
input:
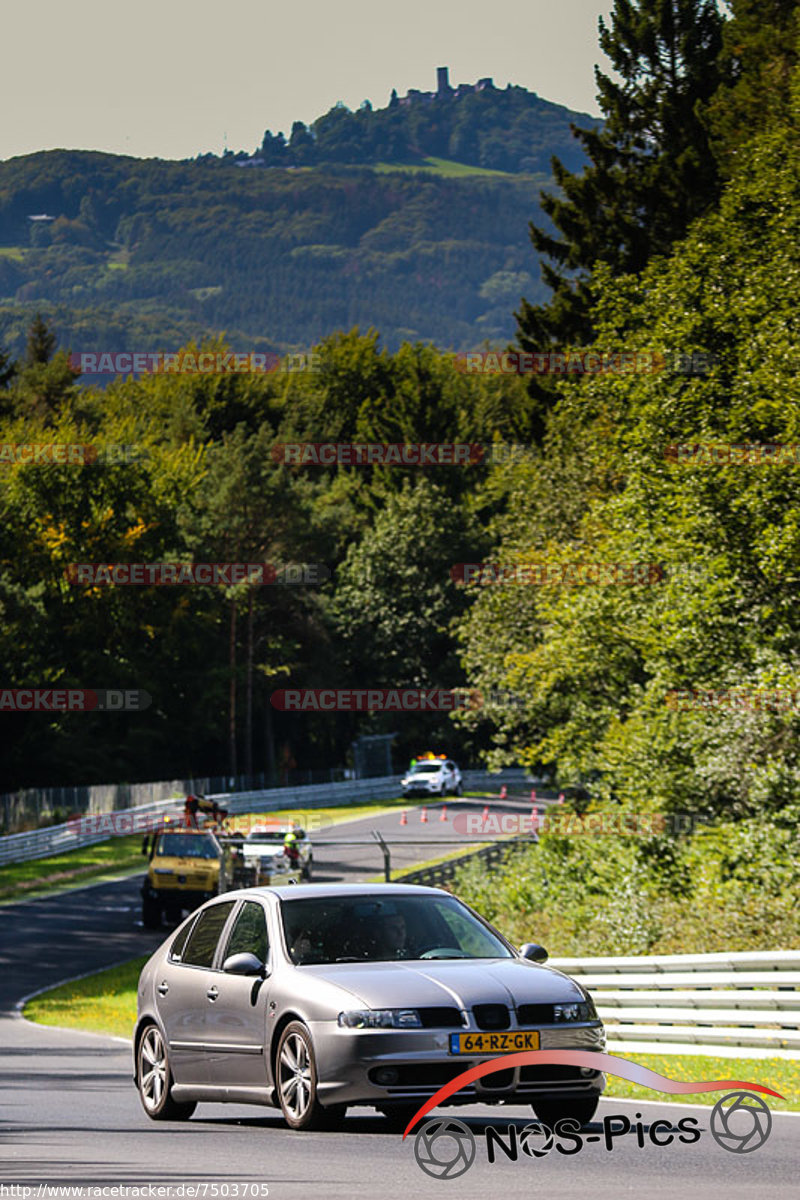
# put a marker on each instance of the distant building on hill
(443, 90)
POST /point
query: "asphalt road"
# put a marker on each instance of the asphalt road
(70, 1116)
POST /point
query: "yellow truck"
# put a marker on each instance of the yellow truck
(186, 868)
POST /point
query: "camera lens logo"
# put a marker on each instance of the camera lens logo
(741, 1122)
(445, 1148)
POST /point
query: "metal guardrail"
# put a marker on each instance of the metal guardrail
(57, 839)
(443, 872)
(748, 999)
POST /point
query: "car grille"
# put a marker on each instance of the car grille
(535, 1014)
(547, 1073)
(491, 1016)
(497, 1081)
(441, 1017)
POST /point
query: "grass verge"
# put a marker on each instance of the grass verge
(781, 1074)
(120, 855)
(100, 1003)
(23, 881)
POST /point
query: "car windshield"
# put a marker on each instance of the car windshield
(381, 928)
(426, 768)
(266, 835)
(185, 845)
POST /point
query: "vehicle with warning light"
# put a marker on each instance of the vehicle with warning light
(432, 775)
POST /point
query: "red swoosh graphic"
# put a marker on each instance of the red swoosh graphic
(594, 1059)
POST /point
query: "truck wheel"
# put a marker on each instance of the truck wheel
(151, 913)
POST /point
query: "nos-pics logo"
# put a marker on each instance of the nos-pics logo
(446, 1148)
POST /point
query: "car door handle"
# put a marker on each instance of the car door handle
(162, 989)
(212, 993)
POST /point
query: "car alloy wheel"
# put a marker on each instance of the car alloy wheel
(296, 1079)
(155, 1080)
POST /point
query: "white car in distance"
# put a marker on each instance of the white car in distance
(432, 777)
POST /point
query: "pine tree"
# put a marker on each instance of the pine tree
(41, 342)
(8, 369)
(759, 54)
(651, 171)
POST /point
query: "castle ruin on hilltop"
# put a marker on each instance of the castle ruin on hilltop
(443, 90)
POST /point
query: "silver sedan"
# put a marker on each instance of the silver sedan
(313, 998)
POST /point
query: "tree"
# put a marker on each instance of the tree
(759, 53)
(41, 343)
(597, 663)
(8, 369)
(395, 599)
(651, 170)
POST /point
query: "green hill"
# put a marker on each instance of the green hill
(120, 252)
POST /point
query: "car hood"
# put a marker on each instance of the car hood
(462, 983)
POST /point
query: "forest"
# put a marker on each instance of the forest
(690, 250)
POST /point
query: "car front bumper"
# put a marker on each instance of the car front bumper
(348, 1059)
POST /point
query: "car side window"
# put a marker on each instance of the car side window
(176, 949)
(202, 942)
(249, 933)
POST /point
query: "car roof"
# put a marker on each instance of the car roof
(329, 890)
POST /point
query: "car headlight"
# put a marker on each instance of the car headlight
(583, 1010)
(380, 1018)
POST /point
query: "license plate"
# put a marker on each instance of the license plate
(493, 1043)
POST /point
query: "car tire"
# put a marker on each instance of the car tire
(457, 790)
(307, 869)
(398, 1115)
(154, 1079)
(296, 1082)
(151, 914)
(582, 1109)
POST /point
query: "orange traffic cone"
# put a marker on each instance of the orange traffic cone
(485, 816)
(443, 814)
(503, 792)
(534, 819)
(533, 795)
(403, 818)
(423, 816)
(560, 797)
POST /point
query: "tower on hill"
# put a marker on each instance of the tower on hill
(442, 81)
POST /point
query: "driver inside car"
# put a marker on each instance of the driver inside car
(392, 936)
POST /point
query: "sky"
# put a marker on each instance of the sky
(176, 78)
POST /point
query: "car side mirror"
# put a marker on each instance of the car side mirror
(533, 952)
(245, 964)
